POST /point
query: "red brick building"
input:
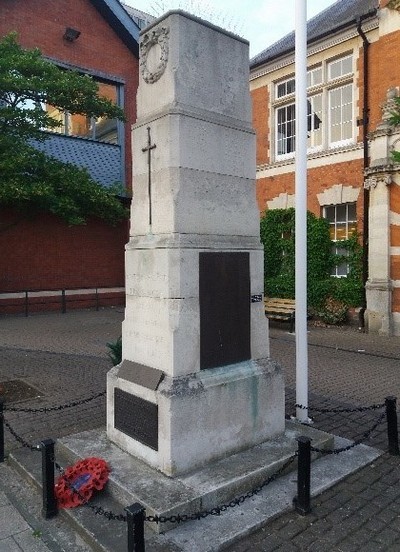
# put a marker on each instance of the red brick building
(99, 38)
(353, 75)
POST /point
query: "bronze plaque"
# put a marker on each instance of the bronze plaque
(136, 417)
(140, 374)
(224, 308)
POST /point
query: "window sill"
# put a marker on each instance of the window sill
(312, 155)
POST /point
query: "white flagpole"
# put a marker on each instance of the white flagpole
(301, 209)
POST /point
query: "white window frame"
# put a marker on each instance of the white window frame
(335, 241)
(312, 147)
(343, 141)
(291, 154)
(324, 85)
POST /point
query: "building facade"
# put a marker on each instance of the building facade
(99, 38)
(353, 75)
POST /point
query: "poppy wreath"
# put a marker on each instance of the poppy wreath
(78, 482)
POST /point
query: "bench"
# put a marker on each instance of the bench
(280, 309)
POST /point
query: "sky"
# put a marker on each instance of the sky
(261, 22)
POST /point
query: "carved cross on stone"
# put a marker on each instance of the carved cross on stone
(148, 149)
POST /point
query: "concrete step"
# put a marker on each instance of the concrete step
(133, 481)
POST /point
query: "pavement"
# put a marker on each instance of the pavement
(54, 359)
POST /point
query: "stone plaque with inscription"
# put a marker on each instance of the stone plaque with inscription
(224, 308)
(136, 417)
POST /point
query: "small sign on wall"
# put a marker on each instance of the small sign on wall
(256, 298)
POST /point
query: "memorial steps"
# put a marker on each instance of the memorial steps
(131, 480)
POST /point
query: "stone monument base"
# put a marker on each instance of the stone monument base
(180, 424)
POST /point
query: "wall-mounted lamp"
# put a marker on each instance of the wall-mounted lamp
(71, 34)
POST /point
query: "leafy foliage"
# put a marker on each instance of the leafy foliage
(31, 180)
(115, 351)
(333, 311)
(324, 292)
(395, 120)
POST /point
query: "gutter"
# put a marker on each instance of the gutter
(365, 124)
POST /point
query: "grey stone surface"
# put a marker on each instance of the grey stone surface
(133, 481)
(194, 150)
(11, 522)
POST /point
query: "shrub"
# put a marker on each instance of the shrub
(333, 311)
(115, 352)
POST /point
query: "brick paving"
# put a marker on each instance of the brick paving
(64, 358)
(363, 511)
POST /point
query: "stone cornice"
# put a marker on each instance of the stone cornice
(383, 170)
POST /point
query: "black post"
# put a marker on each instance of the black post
(135, 518)
(97, 299)
(26, 303)
(49, 508)
(63, 302)
(302, 500)
(392, 431)
(1, 429)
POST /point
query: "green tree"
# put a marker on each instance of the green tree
(31, 181)
(395, 120)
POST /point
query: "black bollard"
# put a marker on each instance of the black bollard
(63, 302)
(2, 429)
(392, 431)
(135, 519)
(49, 508)
(302, 500)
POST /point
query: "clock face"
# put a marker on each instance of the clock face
(154, 54)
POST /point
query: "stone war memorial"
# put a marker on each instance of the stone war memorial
(196, 383)
(195, 410)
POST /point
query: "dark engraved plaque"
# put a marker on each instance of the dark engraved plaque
(136, 417)
(224, 308)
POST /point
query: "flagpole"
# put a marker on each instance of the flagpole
(301, 209)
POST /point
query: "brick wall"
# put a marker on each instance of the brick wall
(44, 253)
(318, 180)
(260, 102)
(384, 73)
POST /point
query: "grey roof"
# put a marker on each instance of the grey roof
(139, 16)
(342, 14)
(103, 161)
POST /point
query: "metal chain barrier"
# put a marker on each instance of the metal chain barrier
(364, 437)
(59, 407)
(180, 518)
(18, 438)
(136, 513)
(341, 410)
